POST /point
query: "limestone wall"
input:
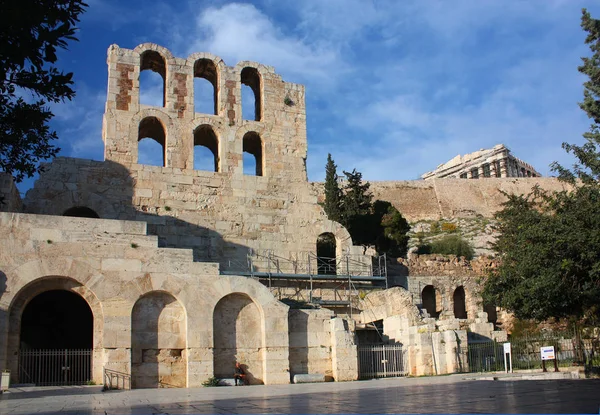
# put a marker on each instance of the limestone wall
(220, 218)
(310, 341)
(156, 313)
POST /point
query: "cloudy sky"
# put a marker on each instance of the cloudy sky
(393, 87)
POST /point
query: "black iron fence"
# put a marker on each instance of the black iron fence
(571, 350)
(55, 367)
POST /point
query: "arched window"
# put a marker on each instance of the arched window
(205, 87)
(206, 149)
(429, 301)
(81, 212)
(460, 306)
(152, 81)
(326, 250)
(253, 154)
(151, 142)
(252, 82)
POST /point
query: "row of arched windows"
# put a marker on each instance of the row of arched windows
(433, 305)
(152, 140)
(153, 75)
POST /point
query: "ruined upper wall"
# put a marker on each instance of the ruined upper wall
(10, 200)
(455, 198)
(452, 198)
(279, 124)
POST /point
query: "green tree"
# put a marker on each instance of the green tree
(31, 31)
(549, 242)
(333, 194)
(392, 230)
(356, 209)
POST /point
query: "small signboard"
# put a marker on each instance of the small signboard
(507, 357)
(548, 353)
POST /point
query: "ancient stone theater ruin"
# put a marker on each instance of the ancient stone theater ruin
(165, 276)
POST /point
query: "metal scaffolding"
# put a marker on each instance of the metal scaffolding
(347, 272)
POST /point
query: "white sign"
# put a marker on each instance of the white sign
(507, 357)
(548, 353)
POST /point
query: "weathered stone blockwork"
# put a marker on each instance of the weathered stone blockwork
(157, 267)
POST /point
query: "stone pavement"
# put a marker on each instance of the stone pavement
(445, 394)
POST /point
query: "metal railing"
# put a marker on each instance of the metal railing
(488, 356)
(381, 361)
(116, 380)
(55, 367)
(302, 265)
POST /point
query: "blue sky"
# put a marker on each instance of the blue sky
(393, 87)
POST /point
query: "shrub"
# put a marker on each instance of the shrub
(211, 382)
(435, 227)
(448, 227)
(453, 245)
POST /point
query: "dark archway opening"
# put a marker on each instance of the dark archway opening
(205, 86)
(206, 149)
(460, 307)
(57, 319)
(252, 144)
(490, 309)
(151, 142)
(251, 79)
(81, 212)
(150, 85)
(429, 301)
(326, 251)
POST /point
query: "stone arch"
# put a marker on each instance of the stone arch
(81, 212)
(152, 127)
(158, 341)
(166, 123)
(205, 68)
(459, 302)
(395, 301)
(41, 285)
(251, 77)
(252, 144)
(157, 59)
(342, 236)
(430, 300)
(326, 254)
(205, 136)
(239, 332)
(155, 62)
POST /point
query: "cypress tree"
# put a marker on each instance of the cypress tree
(333, 194)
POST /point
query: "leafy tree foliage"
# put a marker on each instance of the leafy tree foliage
(550, 252)
(333, 194)
(31, 31)
(356, 208)
(392, 231)
(549, 242)
(377, 224)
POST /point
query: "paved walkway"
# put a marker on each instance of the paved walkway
(444, 394)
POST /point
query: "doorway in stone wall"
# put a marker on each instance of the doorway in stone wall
(56, 340)
(238, 336)
(158, 342)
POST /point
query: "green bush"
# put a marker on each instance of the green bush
(453, 245)
(210, 382)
